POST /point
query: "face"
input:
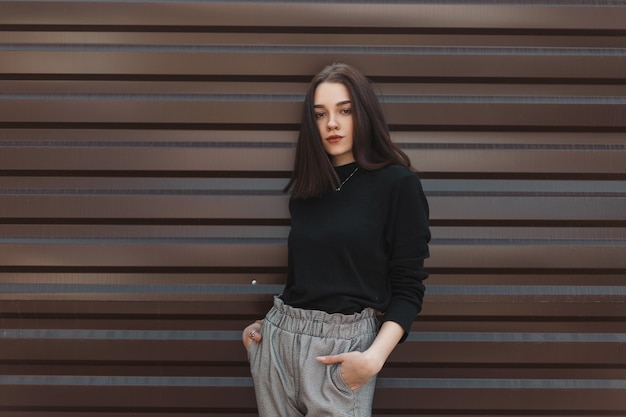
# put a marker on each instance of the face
(333, 114)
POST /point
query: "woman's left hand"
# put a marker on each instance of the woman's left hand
(356, 367)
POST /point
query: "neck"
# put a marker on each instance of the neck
(341, 162)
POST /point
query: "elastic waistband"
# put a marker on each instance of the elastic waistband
(321, 324)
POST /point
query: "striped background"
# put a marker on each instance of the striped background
(144, 146)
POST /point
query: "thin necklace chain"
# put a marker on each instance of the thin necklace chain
(346, 180)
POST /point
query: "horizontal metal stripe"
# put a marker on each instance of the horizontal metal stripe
(295, 98)
(317, 49)
(499, 337)
(523, 187)
(141, 289)
(156, 96)
(166, 240)
(499, 290)
(456, 383)
(143, 240)
(503, 99)
(229, 335)
(64, 334)
(162, 192)
(252, 242)
(530, 242)
(558, 290)
(120, 334)
(280, 193)
(166, 184)
(570, 194)
(152, 144)
(555, 3)
(146, 381)
(238, 382)
(149, 144)
(514, 146)
(274, 186)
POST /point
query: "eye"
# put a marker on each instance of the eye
(346, 111)
(319, 115)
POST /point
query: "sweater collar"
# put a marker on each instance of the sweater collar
(344, 170)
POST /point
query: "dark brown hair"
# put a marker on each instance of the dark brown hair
(313, 174)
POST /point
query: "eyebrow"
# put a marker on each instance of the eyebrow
(341, 103)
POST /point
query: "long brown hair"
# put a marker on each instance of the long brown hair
(313, 174)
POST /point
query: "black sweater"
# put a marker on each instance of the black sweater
(363, 246)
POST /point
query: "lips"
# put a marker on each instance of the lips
(334, 138)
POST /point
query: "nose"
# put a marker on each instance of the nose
(332, 124)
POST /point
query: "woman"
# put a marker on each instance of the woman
(359, 236)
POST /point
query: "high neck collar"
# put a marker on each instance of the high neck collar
(346, 169)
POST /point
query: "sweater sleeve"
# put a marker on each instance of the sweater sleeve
(408, 235)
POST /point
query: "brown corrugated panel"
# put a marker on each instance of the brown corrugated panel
(144, 146)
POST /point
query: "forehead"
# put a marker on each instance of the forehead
(330, 94)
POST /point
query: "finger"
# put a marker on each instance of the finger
(329, 360)
(251, 333)
(255, 335)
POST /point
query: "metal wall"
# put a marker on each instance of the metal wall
(143, 147)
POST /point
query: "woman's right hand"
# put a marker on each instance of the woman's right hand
(252, 334)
